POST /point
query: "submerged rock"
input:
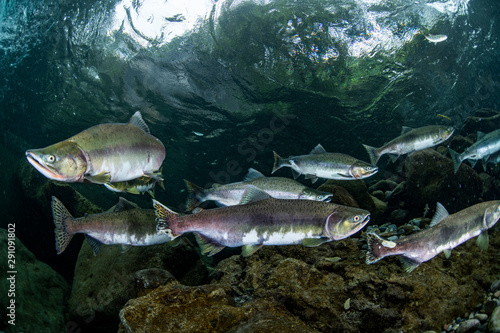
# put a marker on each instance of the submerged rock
(293, 288)
(430, 179)
(40, 294)
(104, 283)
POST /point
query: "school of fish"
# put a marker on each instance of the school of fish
(258, 210)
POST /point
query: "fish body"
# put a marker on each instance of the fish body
(446, 232)
(485, 147)
(124, 224)
(321, 164)
(411, 140)
(232, 194)
(106, 153)
(262, 220)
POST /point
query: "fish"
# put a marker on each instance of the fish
(125, 224)
(105, 153)
(320, 164)
(443, 116)
(263, 220)
(445, 233)
(436, 38)
(485, 146)
(232, 194)
(136, 186)
(411, 140)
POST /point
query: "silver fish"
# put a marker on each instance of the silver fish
(485, 146)
(320, 164)
(106, 153)
(411, 140)
(446, 232)
(125, 224)
(436, 38)
(232, 194)
(262, 220)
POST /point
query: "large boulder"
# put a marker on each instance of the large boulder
(40, 294)
(430, 179)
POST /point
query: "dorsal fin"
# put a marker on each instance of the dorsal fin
(405, 129)
(124, 204)
(480, 136)
(318, 150)
(137, 121)
(441, 214)
(252, 175)
(253, 194)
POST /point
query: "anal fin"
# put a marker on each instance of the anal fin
(248, 250)
(208, 247)
(94, 244)
(409, 264)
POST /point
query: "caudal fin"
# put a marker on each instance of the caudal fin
(194, 194)
(278, 162)
(455, 157)
(376, 244)
(61, 219)
(165, 218)
(372, 153)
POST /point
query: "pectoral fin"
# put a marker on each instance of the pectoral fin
(100, 178)
(248, 250)
(311, 242)
(483, 241)
(447, 253)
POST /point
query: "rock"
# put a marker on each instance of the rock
(482, 317)
(358, 190)
(495, 286)
(399, 216)
(430, 178)
(150, 279)
(489, 306)
(468, 326)
(340, 195)
(40, 293)
(379, 195)
(383, 185)
(207, 308)
(494, 323)
(104, 283)
(484, 120)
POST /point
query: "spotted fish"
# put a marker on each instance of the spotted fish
(262, 220)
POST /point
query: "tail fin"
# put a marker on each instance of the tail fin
(375, 246)
(455, 157)
(194, 194)
(372, 153)
(278, 162)
(165, 217)
(61, 219)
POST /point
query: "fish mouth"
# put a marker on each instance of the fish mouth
(43, 168)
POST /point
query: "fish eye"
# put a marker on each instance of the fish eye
(51, 158)
(356, 218)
